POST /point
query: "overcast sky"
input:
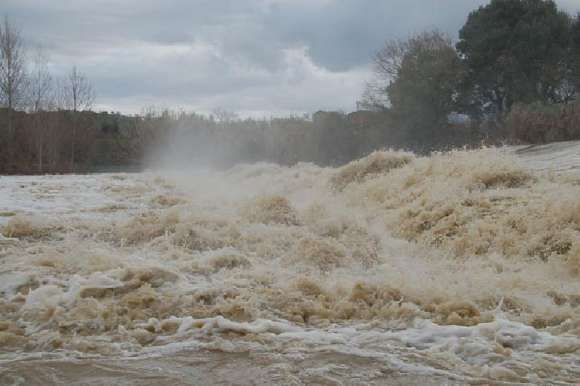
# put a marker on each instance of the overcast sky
(255, 57)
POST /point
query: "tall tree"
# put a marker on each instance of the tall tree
(419, 77)
(77, 94)
(40, 90)
(515, 51)
(40, 83)
(12, 69)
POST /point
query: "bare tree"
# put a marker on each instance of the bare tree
(387, 63)
(40, 83)
(224, 116)
(12, 68)
(40, 99)
(77, 94)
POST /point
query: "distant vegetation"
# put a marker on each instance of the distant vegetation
(513, 76)
(510, 53)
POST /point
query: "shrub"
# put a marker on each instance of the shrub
(539, 123)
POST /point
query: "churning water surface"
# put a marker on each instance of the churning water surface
(459, 268)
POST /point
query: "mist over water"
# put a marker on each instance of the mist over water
(458, 268)
(205, 144)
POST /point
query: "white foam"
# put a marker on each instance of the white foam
(11, 281)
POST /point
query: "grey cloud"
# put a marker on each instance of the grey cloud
(252, 55)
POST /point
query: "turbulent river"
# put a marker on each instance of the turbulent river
(458, 268)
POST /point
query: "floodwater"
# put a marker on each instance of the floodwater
(459, 268)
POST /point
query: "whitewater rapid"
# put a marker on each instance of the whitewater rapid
(459, 268)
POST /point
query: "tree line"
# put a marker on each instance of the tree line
(516, 62)
(513, 75)
(40, 118)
